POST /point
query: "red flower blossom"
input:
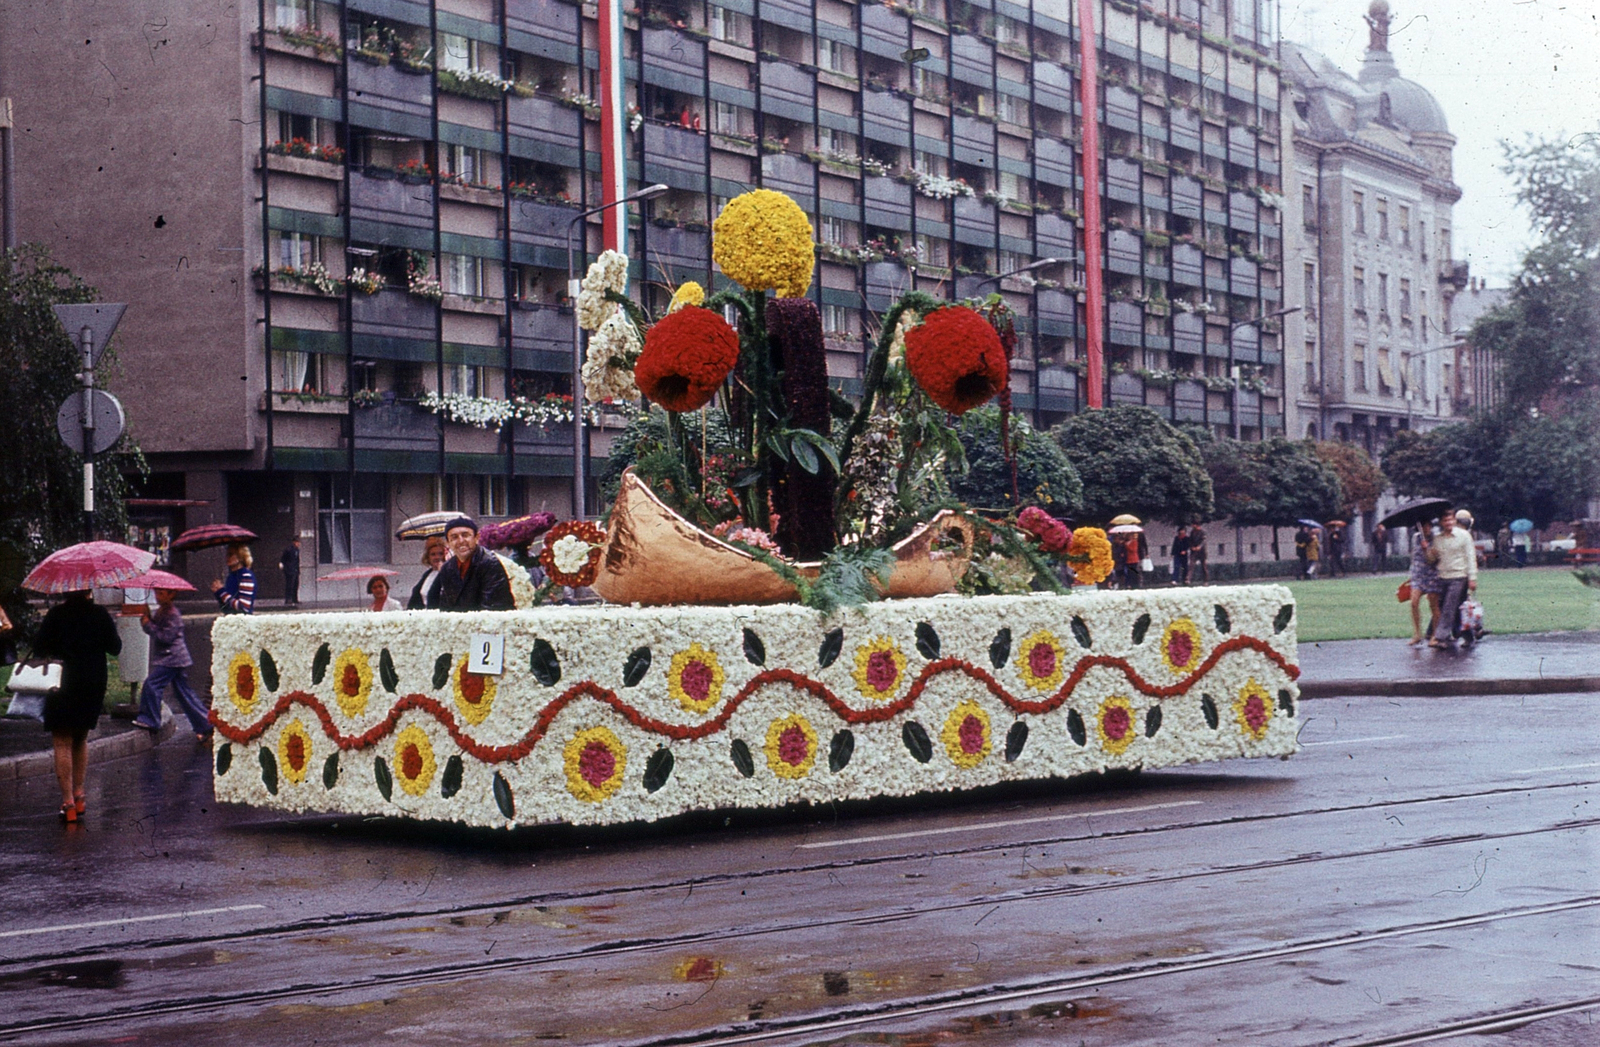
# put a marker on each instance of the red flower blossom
(957, 358)
(1053, 535)
(686, 356)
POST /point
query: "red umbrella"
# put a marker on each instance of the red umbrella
(352, 574)
(208, 535)
(88, 565)
(159, 580)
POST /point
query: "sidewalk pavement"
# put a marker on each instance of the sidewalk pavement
(1521, 663)
(25, 748)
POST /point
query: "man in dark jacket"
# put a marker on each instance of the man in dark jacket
(473, 579)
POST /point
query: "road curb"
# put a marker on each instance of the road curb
(103, 747)
(1446, 688)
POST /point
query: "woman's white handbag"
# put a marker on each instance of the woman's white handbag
(35, 676)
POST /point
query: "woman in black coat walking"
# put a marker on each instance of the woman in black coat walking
(80, 635)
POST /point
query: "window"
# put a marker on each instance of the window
(1444, 244)
(1405, 226)
(929, 163)
(838, 320)
(1311, 367)
(1010, 108)
(1383, 219)
(1008, 30)
(1405, 299)
(838, 231)
(1011, 261)
(928, 83)
(730, 119)
(297, 250)
(1308, 206)
(1358, 290)
(834, 56)
(730, 26)
(460, 163)
(462, 274)
(1423, 308)
(1405, 375)
(1310, 299)
(1422, 239)
(295, 372)
(1358, 366)
(1358, 201)
(492, 500)
(458, 54)
(932, 250)
(840, 142)
(446, 495)
(1015, 187)
(294, 125)
(1383, 294)
(293, 14)
(352, 514)
(1386, 379)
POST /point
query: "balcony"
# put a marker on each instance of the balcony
(974, 140)
(551, 19)
(395, 425)
(545, 120)
(789, 173)
(382, 197)
(678, 251)
(1241, 142)
(675, 155)
(395, 311)
(1188, 264)
(667, 50)
(1127, 323)
(539, 439)
(885, 282)
(1188, 333)
(1185, 129)
(1244, 276)
(1122, 108)
(888, 202)
(971, 58)
(541, 337)
(1056, 234)
(1242, 211)
(1124, 251)
(1187, 197)
(1188, 402)
(1127, 389)
(1055, 161)
(787, 91)
(1058, 305)
(1123, 179)
(886, 117)
(548, 222)
(393, 88)
(884, 31)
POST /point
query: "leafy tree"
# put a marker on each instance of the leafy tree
(1360, 479)
(1271, 483)
(1547, 470)
(1131, 460)
(1412, 462)
(41, 502)
(1045, 477)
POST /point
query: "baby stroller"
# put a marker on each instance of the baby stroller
(1469, 622)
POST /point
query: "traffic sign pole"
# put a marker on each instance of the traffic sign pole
(86, 340)
(92, 323)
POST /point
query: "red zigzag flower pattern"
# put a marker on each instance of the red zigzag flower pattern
(689, 732)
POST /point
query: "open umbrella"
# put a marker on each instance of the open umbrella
(1521, 525)
(1415, 512)
(1126, 529)
(159, 580)
(88, 565)
(1337, 523)
(1126, 518)
(1309, 523)
(208, 535)
(425, 525)
(348, 574)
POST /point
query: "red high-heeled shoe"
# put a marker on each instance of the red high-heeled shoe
(69, 813)
(80, 801)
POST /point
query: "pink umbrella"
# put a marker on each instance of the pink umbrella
(159, 580)
(88, 565)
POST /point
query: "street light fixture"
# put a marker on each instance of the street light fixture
(580, 441)
(1233, 368)
(1040, 264)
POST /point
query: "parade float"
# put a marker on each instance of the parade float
(794, 607)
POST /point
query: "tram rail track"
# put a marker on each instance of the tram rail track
(567, 897)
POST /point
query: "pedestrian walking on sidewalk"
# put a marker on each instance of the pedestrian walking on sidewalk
(289, 564)
(1380, 547)
(1302, 550)
(1313, 552)
(1197, 555)
(1425, 585)
(1180, 556)
(237, 595)
(1335, 551)
(80, 636)
(169, 667)
(1457, 565)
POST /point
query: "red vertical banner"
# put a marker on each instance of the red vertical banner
(613, 122)
(1093, 281)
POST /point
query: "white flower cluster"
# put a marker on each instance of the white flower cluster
(684, 666)
(940, 187)
(488, 412)
(607, 273)
(365, 282)
(481, 76)
(608, 365)
(424, 286)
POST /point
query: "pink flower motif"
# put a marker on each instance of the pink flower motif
(882, 670)
(971, 734)
(793, 747)
(1042, 660)
(597, 764)
(696, 680)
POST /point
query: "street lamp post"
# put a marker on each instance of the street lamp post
(580, 439)
(1030, 267)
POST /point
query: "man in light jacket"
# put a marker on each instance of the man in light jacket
(1458, 571)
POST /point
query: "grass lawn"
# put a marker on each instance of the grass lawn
(1533, 600)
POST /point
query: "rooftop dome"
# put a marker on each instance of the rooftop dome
(1405, 103)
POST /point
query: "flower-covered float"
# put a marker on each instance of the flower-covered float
(796, 606)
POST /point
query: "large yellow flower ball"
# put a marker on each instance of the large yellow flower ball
(764, 241)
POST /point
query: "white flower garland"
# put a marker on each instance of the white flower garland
(985, 690)
(608, 273)
(608, 364)
(940, 187)
(488, 412)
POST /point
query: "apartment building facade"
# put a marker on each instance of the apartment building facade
(364, 312)
(1374, 347)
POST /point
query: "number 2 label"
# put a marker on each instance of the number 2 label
(488, 654)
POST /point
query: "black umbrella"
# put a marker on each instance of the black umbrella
(1412, 513)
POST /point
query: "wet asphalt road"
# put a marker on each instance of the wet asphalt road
(1424, 867)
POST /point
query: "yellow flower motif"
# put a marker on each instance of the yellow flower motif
(689, 293)
(474, 694)
(1091, 556)
(1180, 646)
(966, 735)
(695, 679)
(1115, 723)
(595, 762)
(880, 669)
(1039, 660)
(1254, 708)
(764, 241)
(294, 751)
(791, 747)
(352, 681)
(244, 682)
(413, 760)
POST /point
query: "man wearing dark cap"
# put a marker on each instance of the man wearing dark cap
(473, 579)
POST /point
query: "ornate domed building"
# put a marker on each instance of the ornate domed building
(1371, 350)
